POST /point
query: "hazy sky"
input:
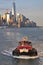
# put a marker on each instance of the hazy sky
(33, 9)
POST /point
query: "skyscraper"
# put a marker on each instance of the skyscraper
(14, 11)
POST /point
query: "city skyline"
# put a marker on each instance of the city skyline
(33, 9)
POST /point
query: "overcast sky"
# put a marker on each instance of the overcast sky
(33, 9)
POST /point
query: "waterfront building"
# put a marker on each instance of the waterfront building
(21, 19)
(33, 24)
(8, 17)
(19, 16)
(10, 14)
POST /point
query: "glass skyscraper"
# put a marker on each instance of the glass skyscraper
(14, 11)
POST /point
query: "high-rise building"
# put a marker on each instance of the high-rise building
(14, 11)
(8, 17)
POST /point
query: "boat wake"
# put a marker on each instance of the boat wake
(9, 53)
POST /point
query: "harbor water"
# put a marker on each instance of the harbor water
(9, 38)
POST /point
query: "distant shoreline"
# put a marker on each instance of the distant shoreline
(7, 26)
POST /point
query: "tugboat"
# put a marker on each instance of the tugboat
(24, 49)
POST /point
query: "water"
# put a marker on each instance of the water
(9, 38)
